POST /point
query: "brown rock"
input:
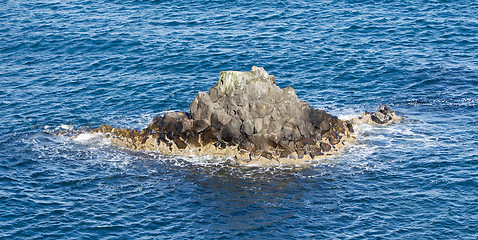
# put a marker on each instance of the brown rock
(209, 136)
(199, 125)
(229, 134)
(325, 147)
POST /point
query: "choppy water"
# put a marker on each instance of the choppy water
(70, 65)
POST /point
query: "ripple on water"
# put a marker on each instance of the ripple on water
(70, 65)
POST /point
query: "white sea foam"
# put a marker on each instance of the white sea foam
(92, 140)
(348, 114)
(66, 127)
(61, 127)
(85, 137)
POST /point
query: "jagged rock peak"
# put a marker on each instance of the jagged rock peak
(231, 82)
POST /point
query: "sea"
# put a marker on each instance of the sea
(69, 66)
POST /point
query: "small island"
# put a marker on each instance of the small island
(248, 117)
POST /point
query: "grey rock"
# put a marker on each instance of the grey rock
(260, 141)
(287, 133)
(200, 125)
(384, 115)
(202, 107)
(220, 118)
(380, 118)
(257, 125)
(236, 123)
(248, 127)
(228, 134)
(249, 111)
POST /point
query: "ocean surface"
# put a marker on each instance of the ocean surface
(66, 66)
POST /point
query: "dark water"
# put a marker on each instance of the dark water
(71, 65)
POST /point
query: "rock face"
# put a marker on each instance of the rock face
(248, 117)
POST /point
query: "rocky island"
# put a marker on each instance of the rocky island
(248, 117)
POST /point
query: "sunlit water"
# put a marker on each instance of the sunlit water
(66, 66)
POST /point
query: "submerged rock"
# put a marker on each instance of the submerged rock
(248, 117)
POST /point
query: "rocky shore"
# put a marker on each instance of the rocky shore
(248, 117)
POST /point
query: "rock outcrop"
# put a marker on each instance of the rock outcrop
(384, 116)
(248, 117)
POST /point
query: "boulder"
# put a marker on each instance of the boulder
(384, 116)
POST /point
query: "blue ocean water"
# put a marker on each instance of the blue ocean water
(72, 65)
